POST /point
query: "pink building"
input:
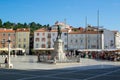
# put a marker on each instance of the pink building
(4, 34)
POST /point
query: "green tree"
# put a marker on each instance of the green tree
(25, 25)
(0, 23)
(33, 26)
(8, 25)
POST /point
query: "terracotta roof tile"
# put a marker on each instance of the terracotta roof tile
(45, 30)
(7, 30)
(85, 32)
(23, 30)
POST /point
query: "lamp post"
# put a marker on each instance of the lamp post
(67, 40)
(9, 65)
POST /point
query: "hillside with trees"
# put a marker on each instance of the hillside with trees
(32, 25)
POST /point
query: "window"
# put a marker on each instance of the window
(37, 34)
(37, 45)
(9, 34)
(76, 41)
(43, 46)
(49, 35)
(24, 39)
(43, 39)
(93, 46)
(81, 41)
(65, 34)
(24, 46)
(111, 43)
(14, 34)
(3, 34)
(65, 46)
(19, 46)
(37, 39)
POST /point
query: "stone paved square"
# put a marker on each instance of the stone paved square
(27, 68)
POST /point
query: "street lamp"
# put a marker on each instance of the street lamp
(67, 40)
(9, 65)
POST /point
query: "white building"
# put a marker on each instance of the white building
(76, 39)
(61, 24)
(109, 39)
(91, 39)
(84, 40)
(44, 38)
(117, 39)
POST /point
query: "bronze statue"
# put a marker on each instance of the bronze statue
(59, 32)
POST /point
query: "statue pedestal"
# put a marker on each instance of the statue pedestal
(58, 53)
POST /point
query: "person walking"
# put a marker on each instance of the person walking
(6, 60)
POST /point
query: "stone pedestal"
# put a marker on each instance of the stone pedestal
(9, 66)
(58, 53)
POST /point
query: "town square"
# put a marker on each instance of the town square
(59, 40)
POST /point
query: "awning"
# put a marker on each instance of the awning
(44, 49)
(86, 50)
(16, 49)
(3, 49)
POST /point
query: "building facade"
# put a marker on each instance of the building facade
(109, 39)
(117, 39)
(45, 39)
(85, 40)
(76, 38)
(22, 39)
(4, 36)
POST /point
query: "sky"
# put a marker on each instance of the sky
(74, 12)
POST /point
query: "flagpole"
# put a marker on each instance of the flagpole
(86, 34)
(98, 29)
(86, 21)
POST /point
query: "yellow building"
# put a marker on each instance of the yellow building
(22, 39)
